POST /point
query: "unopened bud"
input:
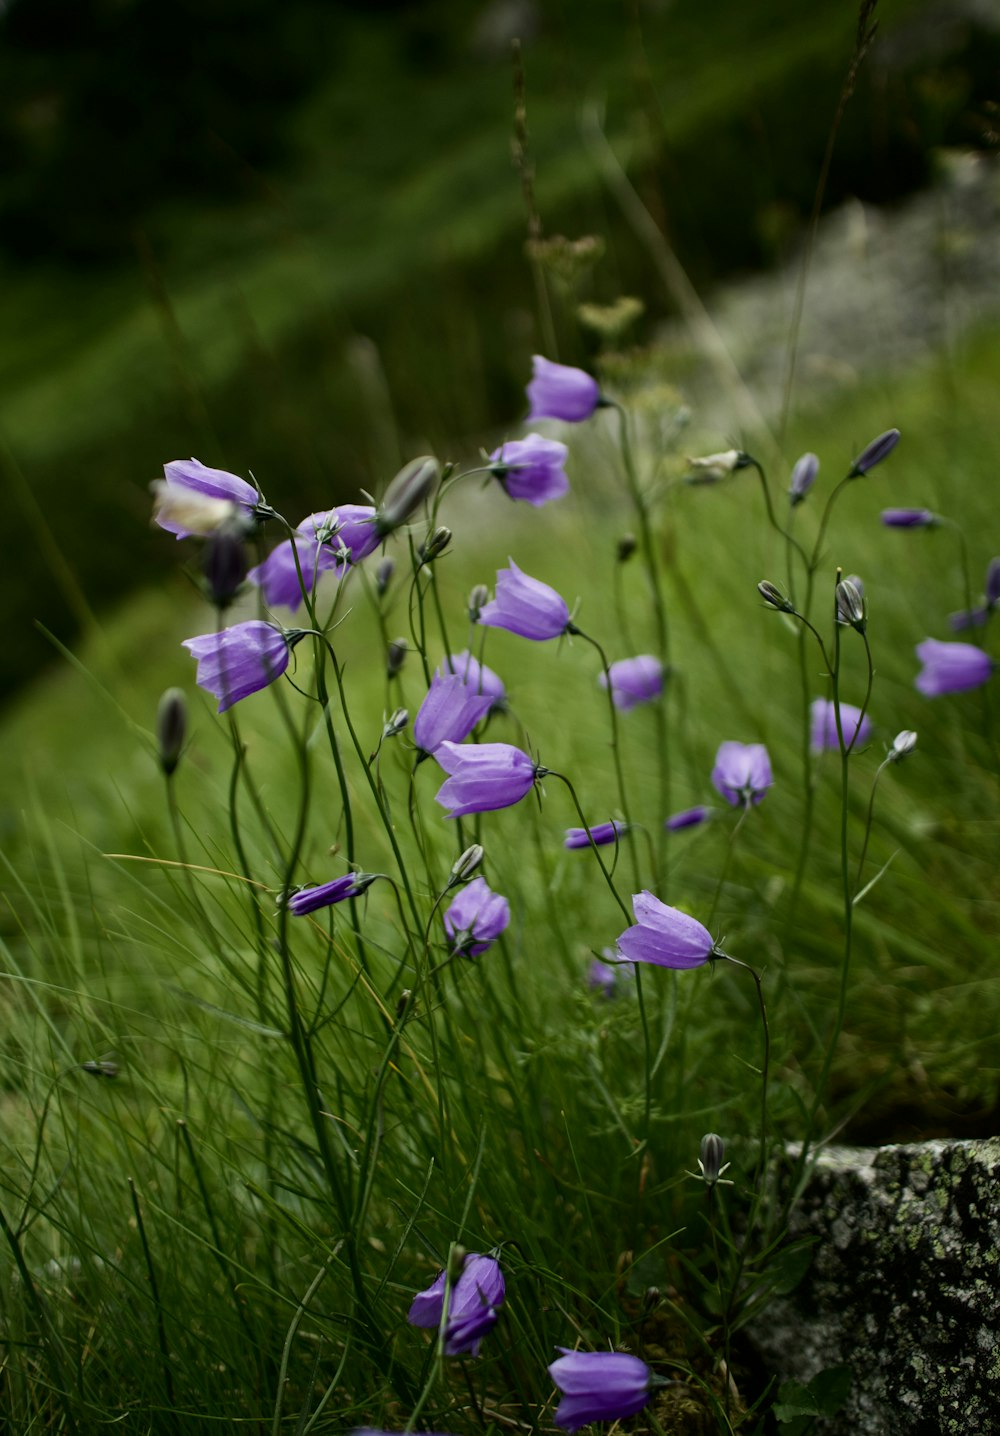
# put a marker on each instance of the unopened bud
(713, 1149)
(711, 467)
(395, 656)
(434, 544)
(396, 723)
(383, 575)
(771, 594)
(851, 606)
(874, 453)
(224, 564)
(171, 728)
(802, 478)
(408, 490)
(902, 744)
(479, 597)
(467, 864)
(627, 545)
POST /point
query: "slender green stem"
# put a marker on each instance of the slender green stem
(615, 745)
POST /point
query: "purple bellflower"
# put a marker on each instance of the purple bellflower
(742, 772)
(472, 1307)
(476, 918)
(477, 676)
(557, 391)
(951, 667)
(688, 818)
(633, 681)
(823, 725)
(525, 606)
(483, 777)
(600, 835)
(308, 900)
(598, 1386)
(240, 660)
(875, 452)
(909, 518)
(802, 478)
(332, 539)
(183, 478)
(531, 469)
(664, 935)
(450, 711)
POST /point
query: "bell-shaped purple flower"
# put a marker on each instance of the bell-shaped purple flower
(525, 606)
(450, 711)
(688, 818)
(483, 777)
(478, 677)
(802, 478)
(308, 900)
(557, 391)
(329, 540)
(531, 469)
(875, 452)
(188, 476)
(951, 667)
(598, 1386)
(909, 518)
(600, 835)
(476, 918)
(634, 681)
(239, 660)
(472, 1307)
(742, 772)
(823, 725)
(664, 935)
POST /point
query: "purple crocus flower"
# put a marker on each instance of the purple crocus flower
(664, 935)
(633, 681)
(190, 476)
(688, 818)
(557, 391)
(875, 452)
(483, 777)
(531, 469)
(951, 667)
(742, 772)
(475, 1296)
(476, 918)
(600, 835)
(525, 606)
(331, 539)
(909, 518)
(478, 677)
(451, 710)
(598, 1386)
(802, 478)
(239, 660)
(823, 725)
(310, 899)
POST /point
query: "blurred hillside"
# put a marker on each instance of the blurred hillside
(235, 229)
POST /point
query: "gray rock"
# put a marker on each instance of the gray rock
(904, 1288)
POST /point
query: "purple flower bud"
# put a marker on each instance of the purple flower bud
(902, 745)
(171, 728)
(308, 900)
(823, 725)
(395, 657)
(601, 834)
(742, 772)
(188, 476)
(451, 710)
(466, 863)
(969, 618)
(408, 490)
(483, 777)
(664, 935)
(479, 678)
(434, 544)
(909, 518)
(951, 667)
(396, 723)
(476, 918)
(626, 547)
(531, 469)
(846, 602)
(713, 1149)
(383, 576)
(802, 478)
(773, 595)
(875, 452)
(224, 564)
(633, 681)
(525, 606)
(689, 818)
(558, 392)
(475, 1295)
(238, 661)
(598, 1386)
(479, 596)
(330, 540)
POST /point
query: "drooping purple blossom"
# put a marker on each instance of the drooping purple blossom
(664, 935)
(476, 918)
(183, 477)
(823, 725)
(875, 452)
(909, 518)
(688, 818)
(951, 667)
(531, 469)
(472, 1305)
(238, 661)
(598, 1386)
(450, 711)
(325, 541)
(308, 900)
(558, 391)
(601, 834)
(479, 678)
(802, 478)
(483, 777)
(604, 976)
(633, 681)
(742, 772)
(525, 606)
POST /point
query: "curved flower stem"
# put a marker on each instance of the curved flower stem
(813, 562)
(772, 518)
(615, 745)
(868, 828)
(419, 638)
(727, 861)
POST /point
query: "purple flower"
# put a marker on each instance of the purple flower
(474, 1298)
(742, 772)
(525, 606)
(558, 392)
(310, 899)
(664, 935)
(951, 667)
(909, 518)
(600, 835)
(604, 977)
(689, 818)
(451, 710)
(479, 678)
(969, 618)
(476, 918)
(239, 660)
(598, 1386)
(823, 731)
(331, 539)
(483, 777)
(993, 582)
(531, 469)
(875, 452)
(633, 681)
(188, 476)
(803, 477)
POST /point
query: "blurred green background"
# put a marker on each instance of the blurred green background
(290, 239)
